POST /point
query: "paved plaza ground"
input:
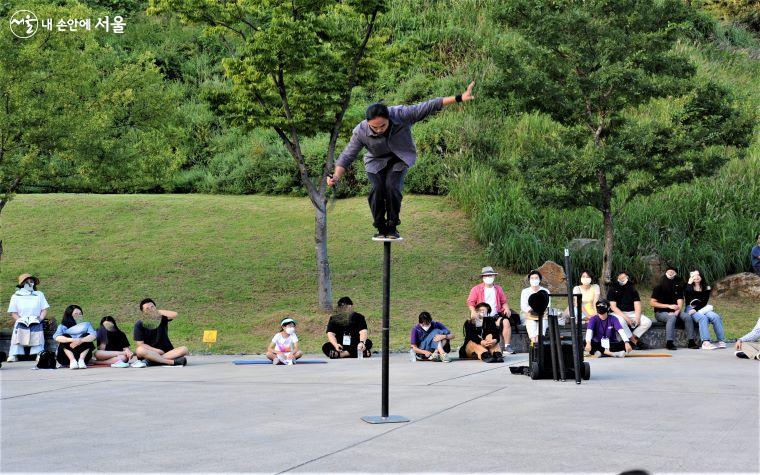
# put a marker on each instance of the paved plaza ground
(694, 412)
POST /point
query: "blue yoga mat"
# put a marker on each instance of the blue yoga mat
(239, 362)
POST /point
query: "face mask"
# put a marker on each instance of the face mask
(585, 280)
(601, 309)
(425, 327)
(109, 326)
(670, 276)
(478, 322)
(488, 280)
(290, 330)
(29, 287)
(535, 282)
(622, 281)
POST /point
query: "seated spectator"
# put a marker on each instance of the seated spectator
(284, 346)
(625, 305)
(347, 333)
(526, 316)
(151, 335)
(589, 295)
(604, 335)
(481, 337)
(113, 347)
(755, 255)
(430, 340)
(28, 307)
(697, 294)
(667, 302)
(748, 346)
(75, 339)
(492, 294)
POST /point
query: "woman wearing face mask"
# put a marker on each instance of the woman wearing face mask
(113, 346)
(75, 339)
(28, 307)
(534, 278)
(625, 305)
(667, 302)
(492, 294)
(284, 346)
(430, 340)
(481, 337)
(697, 294)
(589, 294)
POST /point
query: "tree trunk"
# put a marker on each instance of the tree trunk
(324, 277)
(607, 259)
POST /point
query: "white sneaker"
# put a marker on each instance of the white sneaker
(139, 364)
(721, 344)
(82, 364)
(12, 359)
(120, 364)
(619, 354)
(706, 345)
(73, 365)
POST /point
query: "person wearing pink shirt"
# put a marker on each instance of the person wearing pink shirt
(487, 291)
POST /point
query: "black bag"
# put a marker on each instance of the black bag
(46, 360)
(3, 356)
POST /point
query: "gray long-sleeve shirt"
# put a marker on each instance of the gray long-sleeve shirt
(396, 142)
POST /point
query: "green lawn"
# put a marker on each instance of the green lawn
(238, 264)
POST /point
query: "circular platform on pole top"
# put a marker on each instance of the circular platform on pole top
(387, 239)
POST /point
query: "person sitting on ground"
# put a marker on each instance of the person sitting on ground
(667, 302)
(113, 347)
(589, 295)
(748, 346)
(75, 339)
(347, 333)
(755, 255)
(492, 294)
(430, 340)
(284, 346)
(481, 336)
(625, 305)
(151, 335)
(28, 307)
(604, 335)
(526, 316)
(697, 294)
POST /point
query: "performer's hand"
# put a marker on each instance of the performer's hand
(428, 354)
(467, 95)
(738, 344)
(331, 181)
(628, 348)
(338, 347)
(588, 348)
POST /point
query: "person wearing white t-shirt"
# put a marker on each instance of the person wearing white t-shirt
(284, 346)
(28, 307)
(526, 317)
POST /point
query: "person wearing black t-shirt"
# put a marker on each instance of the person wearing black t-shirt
(151, 336)
(481, 336)
(347, 333)
(667, 302)
(113, 346)
(625, 305)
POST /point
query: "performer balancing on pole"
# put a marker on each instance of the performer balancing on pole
(386, 133)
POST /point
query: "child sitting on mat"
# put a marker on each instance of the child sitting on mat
(284, 346)
(604, 335)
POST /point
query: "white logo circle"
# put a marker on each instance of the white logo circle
(24, 24)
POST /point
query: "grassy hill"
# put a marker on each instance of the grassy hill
(238, 264)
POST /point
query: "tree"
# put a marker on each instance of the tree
(588, 65)
(293, 67)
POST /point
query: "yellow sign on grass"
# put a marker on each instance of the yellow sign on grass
(209, 336)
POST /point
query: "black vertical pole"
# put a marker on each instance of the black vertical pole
(386, 321)
(558, 344)
(552, 349)
(574, 316)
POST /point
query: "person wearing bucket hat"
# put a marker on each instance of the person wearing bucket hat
(492, 294)
(284, 346)
(151, 335)
(528, 315)
(28, 308)
(604, 335)
(481, 337)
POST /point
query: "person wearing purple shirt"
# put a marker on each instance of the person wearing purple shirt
(430, 340)
(386, 133)
(604, 335)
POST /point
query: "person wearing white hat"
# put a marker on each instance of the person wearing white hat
(284, 346)
(492, 294)
(28, 307)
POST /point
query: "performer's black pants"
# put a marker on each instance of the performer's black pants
(327, 347)
(385, 195)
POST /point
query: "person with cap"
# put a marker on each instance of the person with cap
(748, 346)
(667, 302)
(283, 348)
(527, 316)
(386, 133)
(697, 296)
(28, 308)
(605, 335)
(347, 333)
(492, 294)
(625, 305)
(151, 335)
(481, 336)
(430, 340)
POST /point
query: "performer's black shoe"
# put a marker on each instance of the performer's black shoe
(392, 233)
